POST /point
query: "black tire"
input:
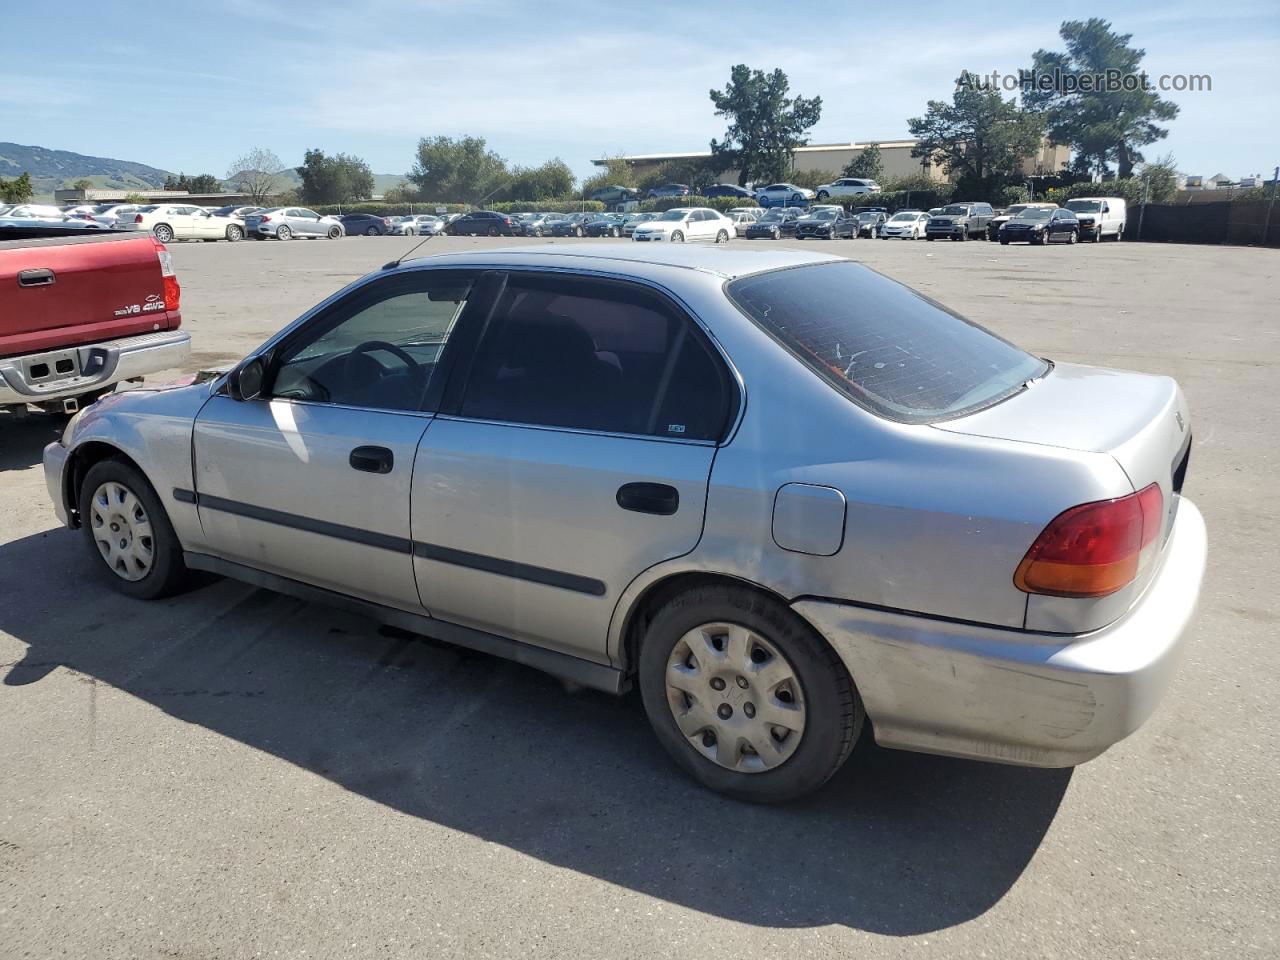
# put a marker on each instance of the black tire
(1120, 233)
(283, 232)
(834, 712)
(823, 195)
(168, 573)
(929, 238)
(1004, 243)
(371, 231)
(235, 233)
(678, 237)
(334, 233)
(722, 236)
(162, 232)
(1072, 238)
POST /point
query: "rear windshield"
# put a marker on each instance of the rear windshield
(885, 346)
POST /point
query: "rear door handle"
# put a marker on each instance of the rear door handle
(372, 459)
(656, 498)
(39, 277)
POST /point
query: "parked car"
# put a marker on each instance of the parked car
(483, 223)
(402, 226)
(783, 194)
(742, 221)
(905, 225)
(35, 211)
(78, 316)
(847, 187)
(670, 190)
(569, 225)
(1001, 217)
(287, 223)
(870, 222)
(774, 225)
(1041, 226)
(183, 221)
(604, 225)
(363, 224)
(600, 501)
(235, 211)
(633, 220)
(615, 194)
(728, 190)
(753, 211)
(827, 225)
(959, 221)
(1099, 217)
(686, 224)
(428, 225)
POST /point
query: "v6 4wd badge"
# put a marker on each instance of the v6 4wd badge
(154, 302)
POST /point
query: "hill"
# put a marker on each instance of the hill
(51, 169)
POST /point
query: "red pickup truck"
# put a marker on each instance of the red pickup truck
(78, 315)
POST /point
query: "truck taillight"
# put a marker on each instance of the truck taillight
(172, 292)
(138, 218)
(1094, 549)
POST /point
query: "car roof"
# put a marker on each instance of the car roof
(721, 261)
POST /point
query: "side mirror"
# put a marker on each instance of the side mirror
(245, 381)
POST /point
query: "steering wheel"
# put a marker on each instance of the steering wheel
(352, 365)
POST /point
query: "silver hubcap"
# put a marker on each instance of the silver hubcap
(122, 531)
(735, 697)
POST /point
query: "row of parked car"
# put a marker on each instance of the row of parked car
(771, 195)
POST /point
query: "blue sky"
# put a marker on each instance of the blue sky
(190, 86)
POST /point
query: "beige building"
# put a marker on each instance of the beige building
(895, 156)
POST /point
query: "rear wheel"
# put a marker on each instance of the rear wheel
(162, 232)
(334, 233)
(235, 233)
(677, 237)
(745, 696)
(284, 233)
(823, 195)
(371, 231)
(127, 529)
(722, 236)
(1072, 237)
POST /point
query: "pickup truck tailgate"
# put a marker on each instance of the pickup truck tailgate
(67, 292)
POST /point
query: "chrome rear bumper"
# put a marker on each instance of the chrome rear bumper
(40, 378)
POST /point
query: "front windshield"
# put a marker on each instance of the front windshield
(904, 217)
(1034, 215)
(675, 215)
(882, 344)
(1084, 206)
(823, 215)
(773, 216)
(1016, 209)
(868, 216)
(953, 210)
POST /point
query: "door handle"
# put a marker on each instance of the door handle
(40, 277)
(657, 498)
(372, 459)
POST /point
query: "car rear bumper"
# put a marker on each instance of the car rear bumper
(1033, 699)
(93, 366)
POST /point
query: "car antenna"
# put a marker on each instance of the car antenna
(395, 263)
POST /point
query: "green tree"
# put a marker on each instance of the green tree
(204, 183)
(810, 179)
(1106, 123)
(254, 174)
(765, 124)
(868, 165)
(464, 169)
(548, 181)
(337, 179)
(17, 190)
(979, 137)
(134, 198)
(82, 184)
(616, 172)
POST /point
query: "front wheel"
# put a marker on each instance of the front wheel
(235, 233)
(677, 237)
(745, 696)
(127, 529)
(162, 232)
(284, 233)
(823, 195)
(334, 233)
(722, 236)
(1072, 237)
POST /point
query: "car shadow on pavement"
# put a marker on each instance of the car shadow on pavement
(896, 844)
(23, 438)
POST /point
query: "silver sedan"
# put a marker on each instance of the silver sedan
(781, 493)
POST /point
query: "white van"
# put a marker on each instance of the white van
(1099, 217)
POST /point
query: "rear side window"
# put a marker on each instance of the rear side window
(583, 354)
(886, 347)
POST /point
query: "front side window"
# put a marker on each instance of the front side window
(882, 344)
(594, 355)
(378, 349)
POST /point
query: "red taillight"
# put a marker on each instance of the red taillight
(1093, 549)
(507, 221)
(265, 219)
(172, 292)
(138, 218)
